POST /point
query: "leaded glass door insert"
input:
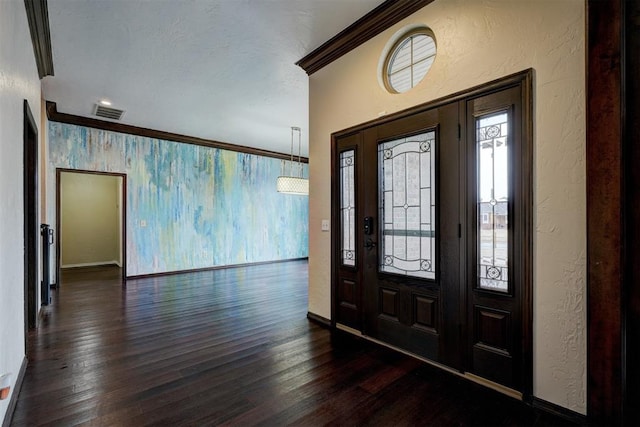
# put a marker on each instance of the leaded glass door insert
(492, 134)
(347, 207)
(407, 205)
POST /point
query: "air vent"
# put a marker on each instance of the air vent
(108, 112)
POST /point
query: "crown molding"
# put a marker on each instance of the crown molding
(38, 17)
(55, 116)
(364, 29)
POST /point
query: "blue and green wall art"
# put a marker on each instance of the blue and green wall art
(189, 206)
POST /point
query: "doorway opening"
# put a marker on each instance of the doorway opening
(90, 221)
(30, 180)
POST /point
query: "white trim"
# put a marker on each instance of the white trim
(92, 264)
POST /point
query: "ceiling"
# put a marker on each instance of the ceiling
(216, 69)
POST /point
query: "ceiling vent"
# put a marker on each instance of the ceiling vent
(108, 112)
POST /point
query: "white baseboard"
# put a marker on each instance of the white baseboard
(8, 416)
(91, 264)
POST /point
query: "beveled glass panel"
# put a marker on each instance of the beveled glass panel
(493, 201)
(347, 207)
(407, 205)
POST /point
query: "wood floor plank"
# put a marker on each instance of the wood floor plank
(228, 347)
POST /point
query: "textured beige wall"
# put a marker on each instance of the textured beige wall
(18, 81)
(90, 219)
(479, 41)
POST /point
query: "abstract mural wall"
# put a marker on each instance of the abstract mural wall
(188, 206)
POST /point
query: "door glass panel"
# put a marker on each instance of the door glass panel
(347, 207)
(407, 205)
(493, 201)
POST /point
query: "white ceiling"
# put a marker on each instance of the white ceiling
(215, 69)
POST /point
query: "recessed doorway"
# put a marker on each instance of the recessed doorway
(91, 220)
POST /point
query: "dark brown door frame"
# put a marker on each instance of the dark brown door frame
(30, 190)
(123, 237)
(631, 150)
(613, 211)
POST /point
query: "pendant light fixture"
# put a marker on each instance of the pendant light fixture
(294, 183)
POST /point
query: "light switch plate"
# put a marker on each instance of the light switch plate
(325, 225)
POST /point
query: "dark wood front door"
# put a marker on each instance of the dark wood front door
(399, 198)
(430, 245)
(411, 258)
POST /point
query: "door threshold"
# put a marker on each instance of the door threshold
(350, 330)
(469, 376)
(398, 349)
(495, 386)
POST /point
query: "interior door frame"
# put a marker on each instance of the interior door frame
(30, 196)
(123, 216)
(524, 79)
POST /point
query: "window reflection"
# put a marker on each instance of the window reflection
(493, 201)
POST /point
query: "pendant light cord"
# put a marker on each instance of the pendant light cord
(291, 164)
(299, 162)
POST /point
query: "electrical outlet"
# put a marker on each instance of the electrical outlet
(325, 225)
(143, 223)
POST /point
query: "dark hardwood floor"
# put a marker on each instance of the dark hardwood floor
(230, 347)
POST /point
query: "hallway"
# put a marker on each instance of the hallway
(230, 346)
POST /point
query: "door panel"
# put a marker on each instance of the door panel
(348, 282)
(495, 307)
(411, 274)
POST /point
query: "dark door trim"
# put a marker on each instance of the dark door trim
(631, 215)
(123, 237)
(30, 193)
(606, 233)
(613, 212)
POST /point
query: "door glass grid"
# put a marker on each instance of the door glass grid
(347, 207)
(407, 205)
(493, 201)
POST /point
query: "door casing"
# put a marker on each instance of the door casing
(30, 183)
(523, 257)
(123, 218)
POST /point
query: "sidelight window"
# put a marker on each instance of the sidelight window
(492, 136)
(407, 205)
(347, 207)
